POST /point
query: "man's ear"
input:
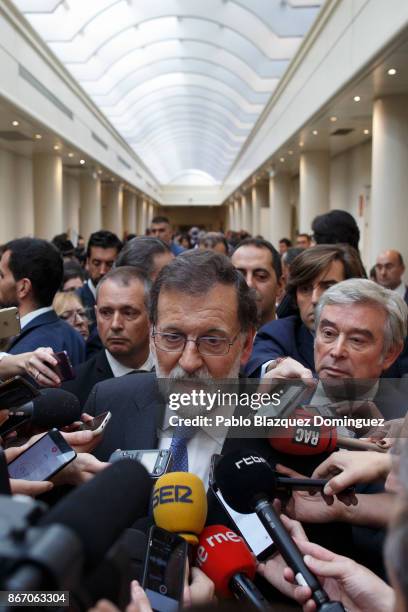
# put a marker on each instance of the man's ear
(23, 288)
(248, 344)
(392, 355)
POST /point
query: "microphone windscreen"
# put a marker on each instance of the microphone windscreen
(101, 509)
(221, 554)
(304, 438)
(242, 476)
(55, 408)
(180, 504)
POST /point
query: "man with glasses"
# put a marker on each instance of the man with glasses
(123, 327)
(203, 317)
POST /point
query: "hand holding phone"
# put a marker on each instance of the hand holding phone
(64, 369)
(97, 424)
(40, 461)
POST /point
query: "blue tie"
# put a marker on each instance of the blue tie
(178, 448)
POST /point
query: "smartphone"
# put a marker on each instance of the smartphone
(164, 570)
(156, 462)
(64, 367)
(98, 424)
(43, 459)
(9, 322)
(249, 526)
(15, 392)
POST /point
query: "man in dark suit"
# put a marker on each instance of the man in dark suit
(123, 327)
(31, 272)
(389, 270)
(102, 250)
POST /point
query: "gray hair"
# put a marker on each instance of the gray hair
(362, 291)
(124, 276)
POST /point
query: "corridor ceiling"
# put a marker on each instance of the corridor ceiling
(182, 81)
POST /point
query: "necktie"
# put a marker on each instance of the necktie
(178, 448)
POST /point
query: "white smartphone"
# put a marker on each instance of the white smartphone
(98, 424)
(9, 322)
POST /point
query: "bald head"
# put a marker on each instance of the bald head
(389, 269)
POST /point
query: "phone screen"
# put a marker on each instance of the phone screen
(41, 460)
(148, 459)
(163, 578)
(251, 529)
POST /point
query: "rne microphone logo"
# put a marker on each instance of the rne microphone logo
(170, 494)
(249, 461)
(213, 540)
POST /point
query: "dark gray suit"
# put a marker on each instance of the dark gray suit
(87, 375)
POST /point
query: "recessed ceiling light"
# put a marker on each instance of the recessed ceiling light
(301, 144)
(112, 179)
(37, 136)
(70, 154)
(15, 123)
(333, 119)
(99, 171)
(282, 159)
(290, 152)
(315, 132)
(366, 131)
(56, 147)
(356, 98)
(392, 71)
(82, 161)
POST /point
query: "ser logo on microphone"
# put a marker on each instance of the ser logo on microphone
(170, 494)
(249, 461)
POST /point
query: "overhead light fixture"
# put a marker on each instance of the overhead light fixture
(315, 132)
(356, 98)
(99, 171)
(290, 152)
(70, 154)
(333, 119)
(366, 131)
(301, 144)
(282, 159)
(392, 71)
(82, 161)
(15, 123)
(37, 136)
(56, 147)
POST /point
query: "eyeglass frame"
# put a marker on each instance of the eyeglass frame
(229, 342)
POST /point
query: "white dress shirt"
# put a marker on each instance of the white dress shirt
(119, 369)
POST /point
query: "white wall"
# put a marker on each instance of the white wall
(71, 201)
(16, 196)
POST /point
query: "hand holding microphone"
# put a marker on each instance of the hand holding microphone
(249, 473)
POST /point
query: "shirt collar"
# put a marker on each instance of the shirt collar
(119, 369)
(26, 319)
(400, 290)
(92, 287)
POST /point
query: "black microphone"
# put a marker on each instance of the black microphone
(247, 483)
(95, 514)
(51, 408)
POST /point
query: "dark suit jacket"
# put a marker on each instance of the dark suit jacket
(93, 371)
(49, 330)
(287, 337)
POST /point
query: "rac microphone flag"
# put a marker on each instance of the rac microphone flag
(180, 504)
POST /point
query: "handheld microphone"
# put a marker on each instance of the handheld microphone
(180, 504)
(51, 408)
(225, 558)
(249, 473)
(305, 440)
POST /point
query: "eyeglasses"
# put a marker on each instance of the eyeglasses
(206, 345)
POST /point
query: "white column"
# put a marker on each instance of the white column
(90, 210)
(150, 213)
(142, 216)
(246, 216)
(314, 175)
(279, 207)
(389, 213)
(129, 212)
(7, 228)
(24, 197)
(231, 216)
(71, 199)
(237, 215)
(112, 199)
(260, 197)
(47, 195)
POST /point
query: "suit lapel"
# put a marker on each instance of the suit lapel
(306, 342)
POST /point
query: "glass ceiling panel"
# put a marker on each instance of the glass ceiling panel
(183, 81)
